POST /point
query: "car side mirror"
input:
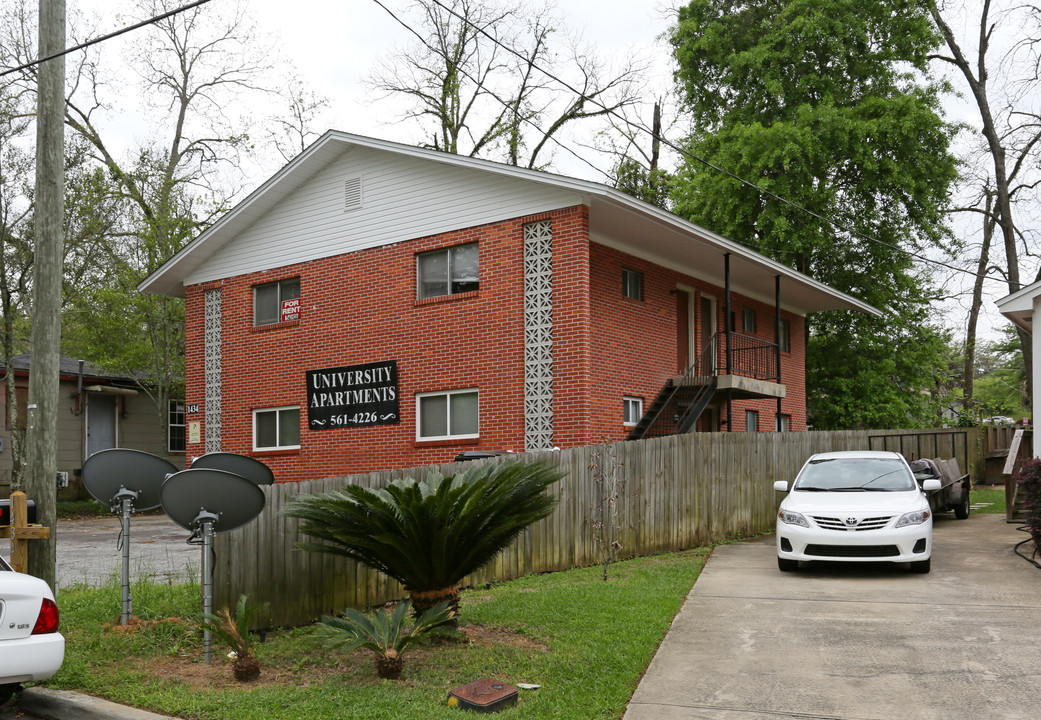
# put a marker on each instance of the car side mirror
(781, 486)
(931, 484)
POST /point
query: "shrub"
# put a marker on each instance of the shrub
(1029, 479)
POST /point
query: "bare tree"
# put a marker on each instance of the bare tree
(1010, 126)
(481, 80)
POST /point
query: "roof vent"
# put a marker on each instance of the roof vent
(352, 194)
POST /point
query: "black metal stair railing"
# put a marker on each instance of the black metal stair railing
(681, 402)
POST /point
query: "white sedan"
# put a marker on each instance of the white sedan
(855, 507)
(31, 648)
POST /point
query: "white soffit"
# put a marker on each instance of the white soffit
(1019, 306)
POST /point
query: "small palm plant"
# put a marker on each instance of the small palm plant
(233, 630)
(429, 535)
(383, 634)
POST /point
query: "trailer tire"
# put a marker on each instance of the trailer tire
(961, 510)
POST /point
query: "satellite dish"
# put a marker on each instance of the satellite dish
(108, 472)
(208, 501)
(224, 499)
(126, 480)
(249, 468)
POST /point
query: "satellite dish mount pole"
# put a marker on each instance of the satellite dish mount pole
(124, 501)
(204, 522)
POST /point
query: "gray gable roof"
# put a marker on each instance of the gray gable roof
(616, 219)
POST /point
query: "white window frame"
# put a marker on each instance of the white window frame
(174, 409)
(632, 281)
(631, 401)
(752, 415)
(278, 445)
(448, 409)
(449, 252)
(281, 298)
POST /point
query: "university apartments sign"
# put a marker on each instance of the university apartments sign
(353, 396)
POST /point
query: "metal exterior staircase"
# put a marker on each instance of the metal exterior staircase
(681, 402)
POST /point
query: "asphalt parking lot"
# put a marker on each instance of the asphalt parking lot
(856, 642)
(89, 554)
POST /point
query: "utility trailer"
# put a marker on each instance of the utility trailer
(954, 489)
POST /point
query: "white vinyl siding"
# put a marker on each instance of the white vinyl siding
(405, 198)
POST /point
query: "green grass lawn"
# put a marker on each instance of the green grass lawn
(586, 642)
(995, 496)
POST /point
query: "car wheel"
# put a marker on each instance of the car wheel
(921, 566)
(961, 510)
(6, 691)
(786, 565)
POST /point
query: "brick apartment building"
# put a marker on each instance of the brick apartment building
(374, 305)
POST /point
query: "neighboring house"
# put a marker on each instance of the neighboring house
(374, 305)
(1021, 308)
(96, 410)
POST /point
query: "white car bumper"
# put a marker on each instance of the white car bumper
(32, 658)
(910, 543)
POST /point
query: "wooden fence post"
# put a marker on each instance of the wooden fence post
(21, 532)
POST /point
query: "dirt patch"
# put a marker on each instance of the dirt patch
(191, 671)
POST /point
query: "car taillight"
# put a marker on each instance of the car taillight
(47, 621)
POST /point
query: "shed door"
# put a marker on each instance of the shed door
(101, 423)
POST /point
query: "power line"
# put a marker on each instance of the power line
(103, 38)
(683, 151)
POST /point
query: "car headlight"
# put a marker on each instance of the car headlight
(913, 518)
(791, 518)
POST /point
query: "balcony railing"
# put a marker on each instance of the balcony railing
(749, 357)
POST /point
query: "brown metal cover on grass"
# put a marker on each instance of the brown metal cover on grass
(485, 695)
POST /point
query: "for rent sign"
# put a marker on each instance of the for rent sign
(353, 396)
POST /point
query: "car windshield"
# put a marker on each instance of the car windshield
(855, 474)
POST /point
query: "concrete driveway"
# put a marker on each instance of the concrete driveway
(856, 642)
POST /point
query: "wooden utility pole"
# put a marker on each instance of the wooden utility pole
(42, 412)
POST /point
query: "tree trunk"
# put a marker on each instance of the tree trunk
(969, 369)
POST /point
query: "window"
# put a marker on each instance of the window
(276, 428)
(786, 336)
(748, 321)
(175, 433)
(632, 410)
(268, 300)
(632, 284)
(784, 423)
(449, 271)
(751, 421)
(445, 415)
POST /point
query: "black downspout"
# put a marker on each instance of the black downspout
(777, 339)
(726, 324)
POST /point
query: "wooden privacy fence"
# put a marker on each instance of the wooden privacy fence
(673, 493)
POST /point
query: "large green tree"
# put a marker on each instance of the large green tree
(827, 104)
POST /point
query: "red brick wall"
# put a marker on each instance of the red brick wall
(361, 307)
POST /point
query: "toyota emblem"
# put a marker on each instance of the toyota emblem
(851, 521)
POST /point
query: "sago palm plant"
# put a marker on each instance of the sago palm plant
(429, 535)
(384, 633)
(233, 630)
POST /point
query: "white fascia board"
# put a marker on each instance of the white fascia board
(1018, 307)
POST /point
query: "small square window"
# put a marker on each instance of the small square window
(269, 300)
(751, 421)
(784, 423)
(786, 336)
(632, 284)
(632, 410)
(748, 321)
(276, 428)
(449, 271)
(175, 427)
(447, 415)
